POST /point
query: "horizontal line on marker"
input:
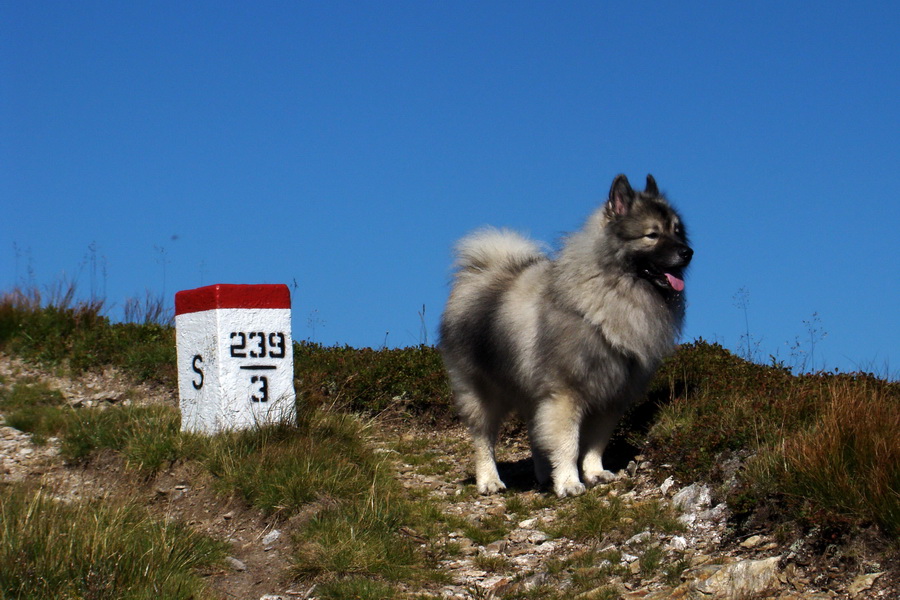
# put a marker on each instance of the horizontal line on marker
(259, 367)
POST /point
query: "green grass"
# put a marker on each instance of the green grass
(592, 517)
(321, 467)
(492, 563)
(358, 588)
(488, 528)
(325, 464)
(584, 571)
(97, 550)
(359, 536)
(146, 436)
(35, 408)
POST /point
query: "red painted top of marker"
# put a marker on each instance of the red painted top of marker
(227, 295)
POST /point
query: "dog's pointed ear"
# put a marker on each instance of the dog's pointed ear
(651, 189)
(621, 196)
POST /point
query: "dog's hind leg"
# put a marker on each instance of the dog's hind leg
(542, 466)
(595, 433)
(484, 426)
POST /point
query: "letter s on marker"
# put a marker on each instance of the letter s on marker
(198, 384)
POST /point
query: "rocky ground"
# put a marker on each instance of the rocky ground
(703, 557)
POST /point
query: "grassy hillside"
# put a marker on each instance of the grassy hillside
(797, 451)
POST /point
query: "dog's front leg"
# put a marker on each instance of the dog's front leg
(557, 424)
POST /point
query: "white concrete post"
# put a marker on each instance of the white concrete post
(235, 357)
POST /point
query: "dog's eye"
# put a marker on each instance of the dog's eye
(652, 235)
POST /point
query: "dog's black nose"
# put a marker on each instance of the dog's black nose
(685, 254)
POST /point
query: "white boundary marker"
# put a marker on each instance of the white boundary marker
(235, 357)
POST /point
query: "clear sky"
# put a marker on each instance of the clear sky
(342, 147)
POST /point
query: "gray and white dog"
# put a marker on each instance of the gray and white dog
(569, 341)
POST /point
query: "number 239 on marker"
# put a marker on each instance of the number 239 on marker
(258, 345)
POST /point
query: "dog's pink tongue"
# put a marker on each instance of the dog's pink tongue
(677, 284)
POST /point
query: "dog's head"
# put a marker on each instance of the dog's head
(650, 234)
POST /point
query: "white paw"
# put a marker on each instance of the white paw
(569, 488)
(596, 477)
(491, 486)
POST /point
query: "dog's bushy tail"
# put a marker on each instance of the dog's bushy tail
(491, 248)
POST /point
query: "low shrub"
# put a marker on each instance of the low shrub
(366, 380)
(824, 445)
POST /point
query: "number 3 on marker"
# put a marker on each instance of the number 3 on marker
(263, 389)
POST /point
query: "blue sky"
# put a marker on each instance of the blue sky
(342, 147)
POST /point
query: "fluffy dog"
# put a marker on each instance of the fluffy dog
(569, 341)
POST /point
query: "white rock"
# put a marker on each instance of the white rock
(637, 539)
(667, 485)
(271, 538)
(717, 513)
(744, 579)
(678, 543)
(538, 537)
(693, 498)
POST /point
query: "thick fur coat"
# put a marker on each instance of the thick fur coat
(567, 342)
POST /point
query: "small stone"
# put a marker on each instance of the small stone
(693, 498)
(862, 583)
(667, 485)
(527, 523)
(466, 547)
(752, 542)
(547, 547)
(716, 513)
(496, 583)
(637, 539)
(270, 538)
(678, 543)
(742, 579)
(538, 537)
(235, 564)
